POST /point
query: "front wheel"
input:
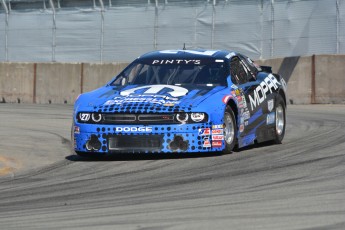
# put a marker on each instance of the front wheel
(230, 130)
(280, 120)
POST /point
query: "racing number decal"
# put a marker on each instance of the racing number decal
(84, 116)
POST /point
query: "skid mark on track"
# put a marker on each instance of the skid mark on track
(8, 165)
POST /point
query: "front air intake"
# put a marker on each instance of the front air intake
(135, 142)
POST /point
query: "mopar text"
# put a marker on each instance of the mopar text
(260, 92)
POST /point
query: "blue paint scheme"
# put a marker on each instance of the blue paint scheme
(169, 99)
(256, 115)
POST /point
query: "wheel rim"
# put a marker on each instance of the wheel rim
(229, 131)
(280, 119)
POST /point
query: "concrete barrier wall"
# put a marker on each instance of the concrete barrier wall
(96, 75)
(330, 79)
(52, 83)
(313, 79)
(57, 83)
(16, 82)
(297, 73)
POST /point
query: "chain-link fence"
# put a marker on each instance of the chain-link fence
(119, 30)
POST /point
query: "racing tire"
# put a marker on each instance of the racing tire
(82, 154)
(93, 156)
(280, 123)
(230, 130)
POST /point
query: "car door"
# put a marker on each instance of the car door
(249, 116)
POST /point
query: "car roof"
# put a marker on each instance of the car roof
(189, 54)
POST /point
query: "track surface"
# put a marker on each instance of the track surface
(299, 184)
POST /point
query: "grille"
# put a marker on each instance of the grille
(138, 118)
(156, 118)
(137, 142)
(119, 118)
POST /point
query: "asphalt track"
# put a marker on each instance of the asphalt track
(299, 184)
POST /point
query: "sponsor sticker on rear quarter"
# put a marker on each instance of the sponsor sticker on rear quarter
(217, 137)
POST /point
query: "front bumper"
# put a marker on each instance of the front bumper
(106, 139)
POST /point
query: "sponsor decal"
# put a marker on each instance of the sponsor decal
(155, 99)
(76, 130)
(246, 115)
(175, 61)
(242, 120)
(204, 132)
(169, 104)
(206, 143)
(270, 105)
(173, 90)
(238, 92)
(244, 101)
(233, 86)
(217, 143)
(148, 98)
(230, 55)
(245, 123)
(241, 128)
(217, 137)
(217, 131)
(226, 99)
(266, 86)
(134, 129)
(207, 52)
(271, 117)
(241, 102)
(217, 126)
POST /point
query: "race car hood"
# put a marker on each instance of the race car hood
(150, 95)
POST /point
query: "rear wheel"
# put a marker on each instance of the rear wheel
(280, 120)
(230, 130)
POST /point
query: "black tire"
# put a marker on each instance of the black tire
(91, 155)
(82, 154)
(230, 130)
(280, 123)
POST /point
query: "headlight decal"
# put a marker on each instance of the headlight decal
(197, 117)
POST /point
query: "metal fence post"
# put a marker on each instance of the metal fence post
(155, 32)
(6, 29)
(272, 27)
(261, 27)
(195, 28)
(54, 30)
(102, 30)
(337, 18)
(213, 22)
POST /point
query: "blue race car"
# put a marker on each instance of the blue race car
(175, 101)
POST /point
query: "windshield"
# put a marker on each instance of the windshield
(152, 73)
